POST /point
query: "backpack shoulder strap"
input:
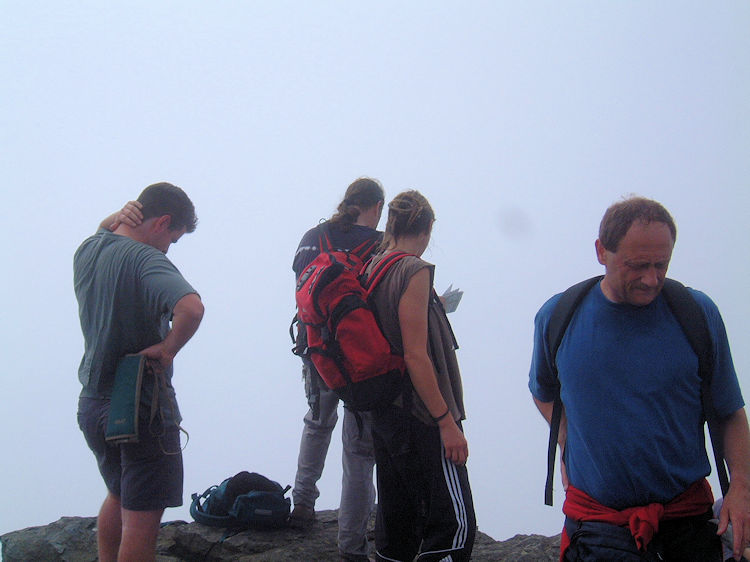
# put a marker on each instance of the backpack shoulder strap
(689, 315)
(366, 248)
(563, 313)
(693, 322)
(324, 241)
(377, 273)
(561, 316)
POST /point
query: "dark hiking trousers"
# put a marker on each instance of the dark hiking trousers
(425, 508)
(688, 539)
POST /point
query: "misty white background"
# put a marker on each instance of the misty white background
(520, 121)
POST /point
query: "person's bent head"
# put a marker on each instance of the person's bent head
(162, 199)
(409, 215)
(620, 217)
(363, 195)
(635, 243)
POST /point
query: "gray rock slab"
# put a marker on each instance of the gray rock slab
(73, 539)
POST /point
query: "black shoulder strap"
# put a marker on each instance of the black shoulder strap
(561, 316)
(693, 322)
(695, 326)
(563, 313)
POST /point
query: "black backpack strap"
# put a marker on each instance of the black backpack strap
(561, 316)
(692, 320)
(563, 313)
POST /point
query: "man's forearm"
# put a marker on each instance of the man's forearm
(736, 506)
(186, 317)
(736, 437)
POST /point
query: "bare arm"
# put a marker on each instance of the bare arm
(412, 313)
(130, 214)
(736, 506)
(186, 317)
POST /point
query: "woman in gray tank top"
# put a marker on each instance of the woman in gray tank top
(425, 506)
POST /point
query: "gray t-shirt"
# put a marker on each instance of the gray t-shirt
(126, 292)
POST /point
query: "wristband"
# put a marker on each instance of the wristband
(447, 411)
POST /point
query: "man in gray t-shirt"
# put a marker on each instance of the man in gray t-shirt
(128, 293)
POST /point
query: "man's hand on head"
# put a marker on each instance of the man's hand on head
(130, 215)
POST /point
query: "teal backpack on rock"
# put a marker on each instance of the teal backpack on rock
(245, 500)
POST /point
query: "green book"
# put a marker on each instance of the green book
(122, 424)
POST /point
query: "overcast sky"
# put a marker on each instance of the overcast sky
(520, 122)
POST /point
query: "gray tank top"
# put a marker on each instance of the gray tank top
(441, 342)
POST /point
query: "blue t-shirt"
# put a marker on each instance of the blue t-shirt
(631, 389)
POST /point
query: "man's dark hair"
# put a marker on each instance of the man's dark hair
(620, 217)
(164, 198)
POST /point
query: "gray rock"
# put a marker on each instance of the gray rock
(69, 539)
(73, 539)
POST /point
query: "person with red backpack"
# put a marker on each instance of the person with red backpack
(351, 228)
(425, 506)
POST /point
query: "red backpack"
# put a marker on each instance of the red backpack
(344, 339)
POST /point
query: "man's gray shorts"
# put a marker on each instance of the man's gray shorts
(141, 475)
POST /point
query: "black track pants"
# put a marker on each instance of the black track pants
(425, 506)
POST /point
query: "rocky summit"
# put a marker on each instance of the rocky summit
(73, 539)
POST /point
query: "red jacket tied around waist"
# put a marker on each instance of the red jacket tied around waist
(643, 521)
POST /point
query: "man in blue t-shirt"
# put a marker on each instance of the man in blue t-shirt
(132, 299)
(632, 427)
